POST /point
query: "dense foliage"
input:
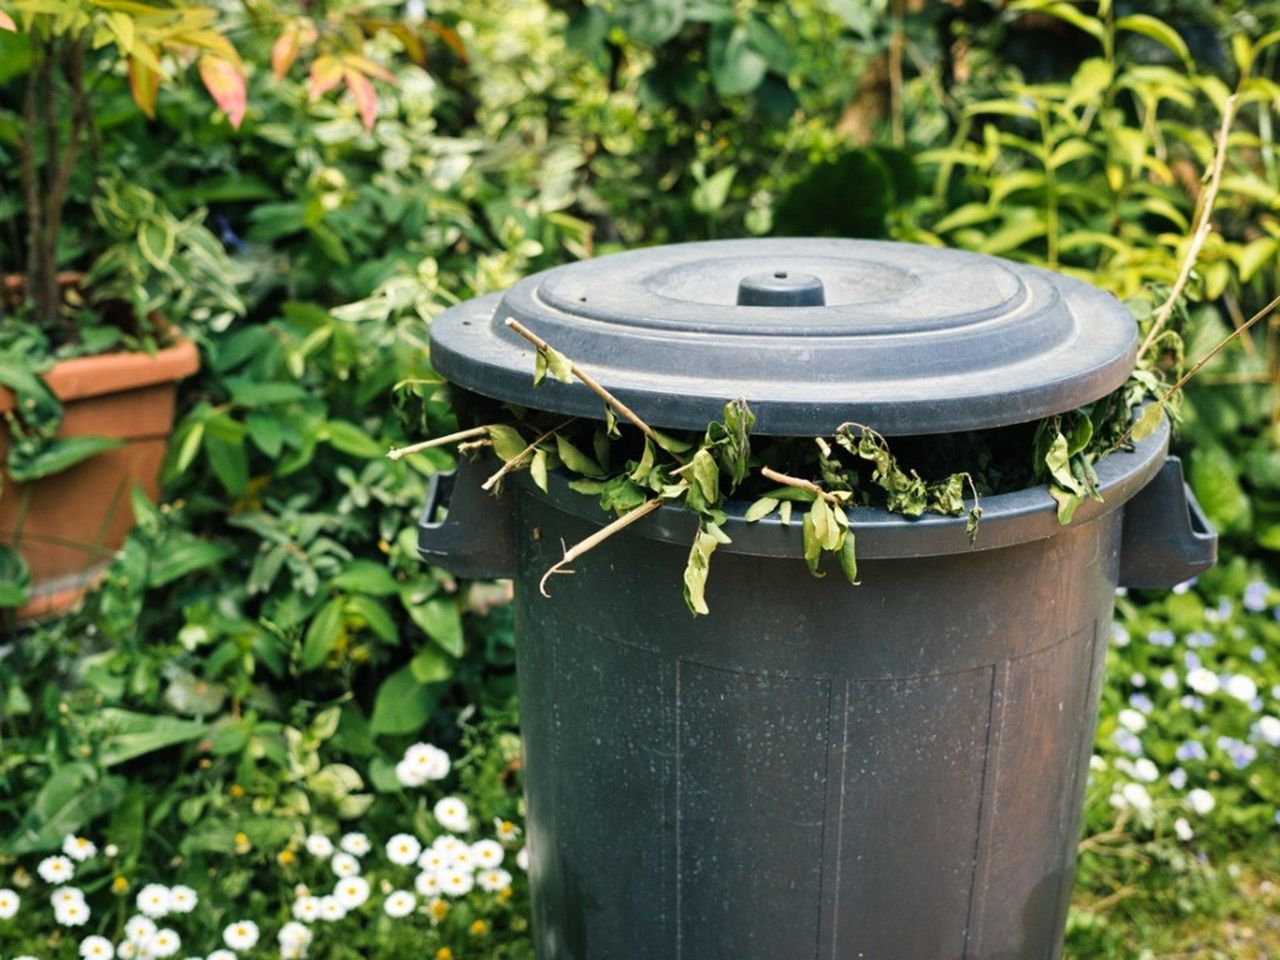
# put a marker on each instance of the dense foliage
(267, 647)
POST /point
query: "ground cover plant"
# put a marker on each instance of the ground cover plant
(192, 699)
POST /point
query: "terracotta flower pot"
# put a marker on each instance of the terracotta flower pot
(67, 526)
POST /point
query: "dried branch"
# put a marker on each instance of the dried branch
(785, 480)
(597, 538)
(437, 442)
(1204, 224)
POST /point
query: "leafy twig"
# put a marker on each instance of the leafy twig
(597, 538)
(515, 461)
(1147, 422)
(591, 383)
(1203, 227)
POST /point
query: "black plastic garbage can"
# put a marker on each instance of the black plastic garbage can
(893, 771)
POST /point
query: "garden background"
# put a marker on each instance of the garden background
(267, 646)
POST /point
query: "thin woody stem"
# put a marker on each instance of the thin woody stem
(785, 480)
(622, 409)
(597, 538)
(1204, 225)
(515, 461)
(1199, 365)
(461, 435)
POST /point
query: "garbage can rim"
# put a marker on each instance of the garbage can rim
(1007, 519)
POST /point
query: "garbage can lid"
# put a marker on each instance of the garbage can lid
(812, 333)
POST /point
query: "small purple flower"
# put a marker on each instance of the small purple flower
(1140, 701)
(1185, 585)
(1221, 613)
(1138, 680)
(1178, 779)
(1191, 750)
(1160, 638)
(1258, 655)
(1255, 596)
(1169, 679)
(1199, 638)
(1192, 660)
(1191, 702)
(1127, 741)
(1242, 754)
(1119, 635)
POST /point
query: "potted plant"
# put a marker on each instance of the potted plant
(89, 359)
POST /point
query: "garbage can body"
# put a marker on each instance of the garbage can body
(894, 770)
(888, 771)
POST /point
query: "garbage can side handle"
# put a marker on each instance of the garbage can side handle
(476, 539)
(1167, 539)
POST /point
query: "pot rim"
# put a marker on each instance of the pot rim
(1008, 519)
(81, 378)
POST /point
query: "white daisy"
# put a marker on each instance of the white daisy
(320, 846)
(331, 909)
(422, 762)
(165, 943)
(306, 909)
(427, 883)
(522, 859)
(9, 903)
(451, 813)
(294, 938)
(461, 859)
(345, 865)
(64, 895)
(182, 899)
(55, 870)
(446, 843)
(1241, 687)
(1183, 829)
(153, 901)
(1201, 801)
(74, 914)
(507, 831)
(456, 883)
(487, 854)
(241, 935)
(403, 849)
(221, 955)
(1202, 681)
(356, 844)
(433, 859)
(493, 880)
(400, 903)
(139, 928)
(1132, 720)
(79, 849)
(97, 948)
(351, 892)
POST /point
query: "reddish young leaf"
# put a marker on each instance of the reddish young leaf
(368, 67)
(225, 83)
(144, 83)
(450, 38)
(365, 97)
(6, 23)
(284, 51)
(326, 72)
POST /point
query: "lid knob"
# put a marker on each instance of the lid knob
(781, 288)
